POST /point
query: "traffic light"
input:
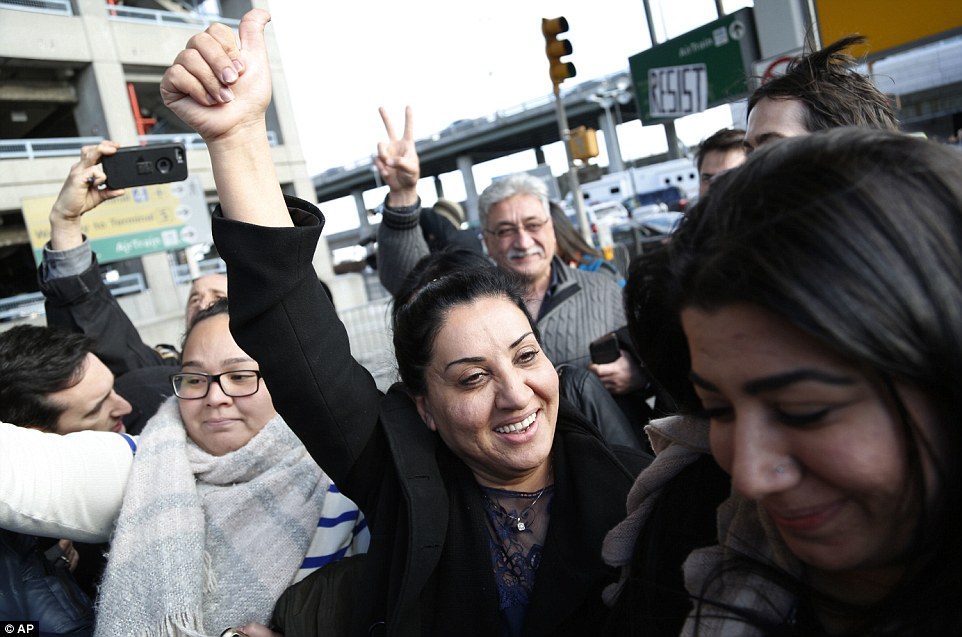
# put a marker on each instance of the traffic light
(584, 143)
(555, 49)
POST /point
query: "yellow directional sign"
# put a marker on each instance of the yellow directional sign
(146, 219)
(888, 24)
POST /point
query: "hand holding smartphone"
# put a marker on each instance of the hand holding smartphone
(145, 165)
(605, 349)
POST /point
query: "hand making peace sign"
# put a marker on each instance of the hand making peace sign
(397, 161)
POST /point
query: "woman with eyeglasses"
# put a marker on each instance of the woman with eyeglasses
(222, 510)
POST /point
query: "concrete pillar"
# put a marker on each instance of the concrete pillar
(465, 165)
(107, 89)
(607, 124)
(89, 111)
(112, 88)
(160, 280)
(781, 25)
(361, 212)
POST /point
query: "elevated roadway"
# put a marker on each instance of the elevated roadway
(527, 126)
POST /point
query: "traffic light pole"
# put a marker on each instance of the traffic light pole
(559, 71)
(573, 186)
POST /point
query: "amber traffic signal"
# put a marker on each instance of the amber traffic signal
(584, 143)
(556, 49)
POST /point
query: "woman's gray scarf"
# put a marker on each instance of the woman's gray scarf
(742, 527)
(746, 530)
(677, 441)
(205, 542)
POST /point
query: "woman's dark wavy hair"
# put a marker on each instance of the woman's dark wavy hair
(570, 244)
(439, 283)
(834, 94)
(855, 237)
(651, 308)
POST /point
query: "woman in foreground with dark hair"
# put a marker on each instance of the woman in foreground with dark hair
(819, 287)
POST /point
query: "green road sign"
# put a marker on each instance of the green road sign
(703, 68)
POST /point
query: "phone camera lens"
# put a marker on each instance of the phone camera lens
(164, 165)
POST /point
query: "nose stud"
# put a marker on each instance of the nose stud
(780, 469)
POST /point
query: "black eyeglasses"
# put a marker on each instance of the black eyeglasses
(236, 383)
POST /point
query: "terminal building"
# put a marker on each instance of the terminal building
(73, 72)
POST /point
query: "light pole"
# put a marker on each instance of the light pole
(670, 135)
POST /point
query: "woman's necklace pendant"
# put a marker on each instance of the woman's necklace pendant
(516, 523)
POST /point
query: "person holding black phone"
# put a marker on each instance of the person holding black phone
(145, 165)
(605, 349)
(69, 276)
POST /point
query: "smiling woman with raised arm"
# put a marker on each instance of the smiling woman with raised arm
(819, 289)
(487, 496)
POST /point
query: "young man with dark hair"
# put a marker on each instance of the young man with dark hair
(50, 379)
(820, 90)
(723, 150)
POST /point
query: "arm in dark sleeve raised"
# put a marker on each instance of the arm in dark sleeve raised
(82, 303)
(400, 245)
(280, 315)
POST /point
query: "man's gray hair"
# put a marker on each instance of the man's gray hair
(516, 184)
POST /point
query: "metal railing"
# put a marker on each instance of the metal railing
(368, 328)
(191, 141)
(124, 13)
(65, 146)
(49, 147)
(166, 18)
(21, 306)
(31, 304)
(205, 267)
(55, 7)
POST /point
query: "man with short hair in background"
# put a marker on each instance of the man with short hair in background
(723, 150)
(51, 380)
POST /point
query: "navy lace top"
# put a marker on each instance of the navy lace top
(518, 525)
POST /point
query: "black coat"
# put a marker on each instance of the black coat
(35, 590)
(429, 569)
(83, 304)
